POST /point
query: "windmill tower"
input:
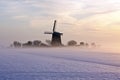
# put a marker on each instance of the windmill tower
(56, 36)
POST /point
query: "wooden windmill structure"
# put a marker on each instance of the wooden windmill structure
(56, 36)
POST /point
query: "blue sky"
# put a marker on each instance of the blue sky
(81, 20)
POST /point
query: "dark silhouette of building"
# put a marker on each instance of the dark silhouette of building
(56, 36)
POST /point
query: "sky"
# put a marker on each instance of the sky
(81, 20)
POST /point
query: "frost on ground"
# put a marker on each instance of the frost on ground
(58, 64)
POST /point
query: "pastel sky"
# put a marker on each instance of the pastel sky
(82, 20)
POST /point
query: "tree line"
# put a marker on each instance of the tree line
(35, 43)
(38, 43)
(83, 44)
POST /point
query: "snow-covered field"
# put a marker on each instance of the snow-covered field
(58, 64)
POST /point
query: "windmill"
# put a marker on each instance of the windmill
(56, 36)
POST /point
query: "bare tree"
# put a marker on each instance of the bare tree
(93, 44)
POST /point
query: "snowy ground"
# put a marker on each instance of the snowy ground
(58, 64)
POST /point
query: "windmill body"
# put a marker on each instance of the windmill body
(56, 36)
(56, 39)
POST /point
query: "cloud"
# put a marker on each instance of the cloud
(40, 22)
(99, 7)
(20, 17)
(80, 16)
(91, 29)
(78, 9)
(117, 23)
(114, 25)
(68, 24)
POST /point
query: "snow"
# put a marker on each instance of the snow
(58, 64)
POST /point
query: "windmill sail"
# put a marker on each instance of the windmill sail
(54, 26)
(48, 33)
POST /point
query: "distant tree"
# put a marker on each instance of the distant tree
(93, 44)
(11, 45)
(82, 44)
(28, 44)
(86, 44)
(24, 45)
(16, 44)
(43, 45)
(48, 42)
(72, 43)
(36, 43)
